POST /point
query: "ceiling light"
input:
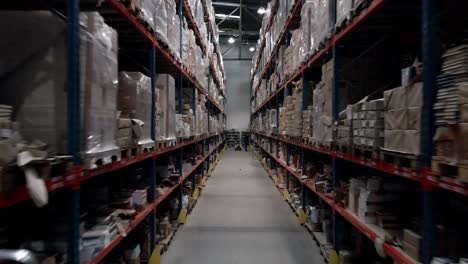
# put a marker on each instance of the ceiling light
(252, 49)
(231, 40)
(261, 10)
(223, 16)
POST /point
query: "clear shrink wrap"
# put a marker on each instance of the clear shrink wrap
(160, 19)
(343, 11)
(99, 90)
(173, 28)
(149, 12)
(39, 96)
(135, 102)
(166, 85)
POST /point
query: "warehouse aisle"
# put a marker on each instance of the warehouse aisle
(241, 219)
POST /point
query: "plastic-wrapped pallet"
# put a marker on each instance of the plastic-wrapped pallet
(403, 107)
(165, 84)
(157, 8)
(134, 101)
(343, 11)
(149, 12)
(173, 28)
(322, 126)
(40, 104)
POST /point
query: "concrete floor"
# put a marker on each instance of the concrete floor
(241, 219)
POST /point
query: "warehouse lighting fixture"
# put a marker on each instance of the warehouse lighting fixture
(224, 16)
(252, 49)
(261, 10)
(231, 40)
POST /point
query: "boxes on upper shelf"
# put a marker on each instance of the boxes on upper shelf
(40, 104)
(134, 101)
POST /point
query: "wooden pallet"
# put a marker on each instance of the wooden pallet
(319, 144)
(400, 160)
(443, 168)
(161, 144)
(365, 152)
(129, 152)
(93, 160)
(342, 148)
(184, 139)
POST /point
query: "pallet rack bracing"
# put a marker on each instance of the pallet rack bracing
(140, 49)
(361, 37)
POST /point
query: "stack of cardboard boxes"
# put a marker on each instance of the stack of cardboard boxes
(322, 107)
(134, 101)
(403, 118)
(307, 123)
(451, 108)
(165, 107)
(289, 114)
(296, 119)
(368, 130)
(412, 244)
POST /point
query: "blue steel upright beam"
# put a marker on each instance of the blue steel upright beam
(180, 100)
(73, 124)
(152, 161)
(429, 42)
(303, 157)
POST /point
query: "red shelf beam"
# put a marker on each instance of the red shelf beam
(358, 20)
(411, 174)
(134, 223)
(21, 194)
(390, 250)
(123, 11)
(143, 214)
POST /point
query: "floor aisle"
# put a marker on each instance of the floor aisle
(241, 219)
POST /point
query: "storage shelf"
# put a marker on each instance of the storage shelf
(188, 14)
(124, 12)
(373, 7)
(192, 24)
(294, 11)
(215, 44)
(372, 232)
(150, 208)
(274, 8)
(21, 194)
(421, 176)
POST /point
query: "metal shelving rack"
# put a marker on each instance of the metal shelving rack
(154, 58)
(332, 49)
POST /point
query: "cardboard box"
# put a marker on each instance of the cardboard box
(396, 119)
(412, 141)
(395, 99)
(411, 251)
(414, 95)
(412, 238)
(414, 118)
